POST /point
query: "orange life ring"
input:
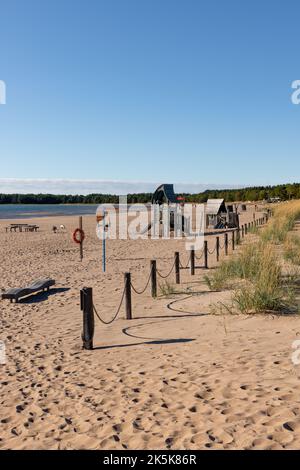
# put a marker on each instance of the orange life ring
(78, 235)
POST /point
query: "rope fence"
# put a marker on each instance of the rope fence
(187, 264)
(144, 289)
(169, 273)
(86, 294)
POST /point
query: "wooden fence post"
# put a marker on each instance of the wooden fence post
(205, 255)
(86, 304)
(243, 231)
(192, 266)
(81, 243)
(226, 243)
(233, 240)
(128, 306)
(153, 278)
(218, 248)
(177, 267)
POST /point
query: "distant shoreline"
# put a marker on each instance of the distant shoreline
(35, 211)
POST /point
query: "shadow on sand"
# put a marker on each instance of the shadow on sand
(42, 296)
(161, 341)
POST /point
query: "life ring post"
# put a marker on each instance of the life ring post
(81, 242)
(78, 237)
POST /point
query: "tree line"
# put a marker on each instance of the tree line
(71, 198)
(255, 193)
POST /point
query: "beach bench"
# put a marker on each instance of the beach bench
(17, 293)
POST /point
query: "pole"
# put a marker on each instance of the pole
(81, 243)
(218, 248)
(192, 262)
(86, 304)
(153, 278)
(226, 243)
(177, 267)
(104, 247)
(205, 255)
(128, 307)
(233, 241)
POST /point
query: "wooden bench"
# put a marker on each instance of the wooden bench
(17, 293)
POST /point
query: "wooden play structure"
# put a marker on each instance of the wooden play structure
(165, 197)
(218, 215)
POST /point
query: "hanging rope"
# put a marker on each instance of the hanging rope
(165, 277)
(143, 290)
(116, 314)
(211, 252)
(188, 262)
(222, 246)
(199, 257)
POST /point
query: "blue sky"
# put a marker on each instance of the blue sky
(181, 91)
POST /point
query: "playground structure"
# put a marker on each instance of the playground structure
(164, 194)
(168, 202)
(219, 216)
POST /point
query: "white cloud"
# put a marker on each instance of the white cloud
(72, 186)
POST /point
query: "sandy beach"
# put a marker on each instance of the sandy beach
(174, 377)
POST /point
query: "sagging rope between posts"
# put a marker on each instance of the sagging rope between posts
(201, 256)
(116, 314)
(86, 297)
(169, 273)
(188, 262)
(143, 290)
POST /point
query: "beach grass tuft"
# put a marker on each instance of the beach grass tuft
(255, 273)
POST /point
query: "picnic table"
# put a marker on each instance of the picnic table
(21, 227)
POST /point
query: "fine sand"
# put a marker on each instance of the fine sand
(174, 377)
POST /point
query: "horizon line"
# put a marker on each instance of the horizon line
(65, 186)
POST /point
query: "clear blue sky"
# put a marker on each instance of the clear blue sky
(150, 90)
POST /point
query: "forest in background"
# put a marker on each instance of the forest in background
(255, 193)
